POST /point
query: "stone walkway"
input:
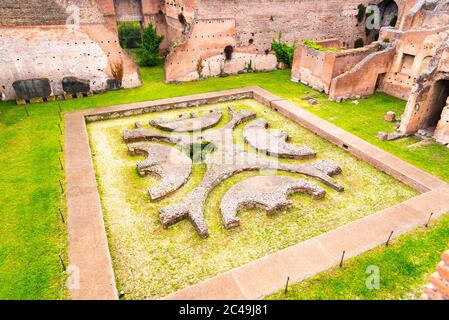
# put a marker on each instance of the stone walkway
(88, 249)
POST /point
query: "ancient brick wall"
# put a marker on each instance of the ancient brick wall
(414, 51)
(438, 289)
(362, 79)
(58, 38)
(128, 10)
(427, 104)
(48, 12)
(257, 23)
(262, 20)
(317, 68)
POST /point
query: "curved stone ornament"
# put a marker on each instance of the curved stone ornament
(191, 124)
(275, 144)
(266, 192)
(173, 166)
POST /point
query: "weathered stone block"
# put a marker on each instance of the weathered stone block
(390, 116)
(37, 100)
(113, 84)
(32, 88)
(75, 85)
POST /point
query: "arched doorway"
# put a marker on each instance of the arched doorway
(439, 96)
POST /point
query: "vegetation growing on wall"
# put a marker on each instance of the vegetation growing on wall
(149, 55)
(117, 70)
(130, 35)
(313, 45)
(284, 52)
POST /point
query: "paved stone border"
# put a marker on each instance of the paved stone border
(88, 248)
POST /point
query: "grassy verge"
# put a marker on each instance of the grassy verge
(404, 267)
(30, 225)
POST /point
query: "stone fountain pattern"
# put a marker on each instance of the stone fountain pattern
(227, 160)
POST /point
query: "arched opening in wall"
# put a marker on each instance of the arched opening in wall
(439, 96)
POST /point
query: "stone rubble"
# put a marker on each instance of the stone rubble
(173, 166)
(275, 144)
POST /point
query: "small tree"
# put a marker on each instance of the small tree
(149, 54)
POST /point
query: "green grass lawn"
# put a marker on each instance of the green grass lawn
(33, 236)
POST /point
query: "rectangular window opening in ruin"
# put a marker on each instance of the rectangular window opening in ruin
(407, 64)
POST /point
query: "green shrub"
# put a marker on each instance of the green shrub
(284, 52)
(313, 45)
(386, 40)
(149, 54)
(129, 34)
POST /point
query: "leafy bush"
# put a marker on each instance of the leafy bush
(284, 52)
(313, 45)
(129, 34)
(149, 54)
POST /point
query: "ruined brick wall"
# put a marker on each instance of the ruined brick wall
(361, 80)
(262, 20)
(317, 68)
(427, 104)
(128, 10)
(257, 23)
(58, 38)
(414, 51)
(47, 12)
(438, 289)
